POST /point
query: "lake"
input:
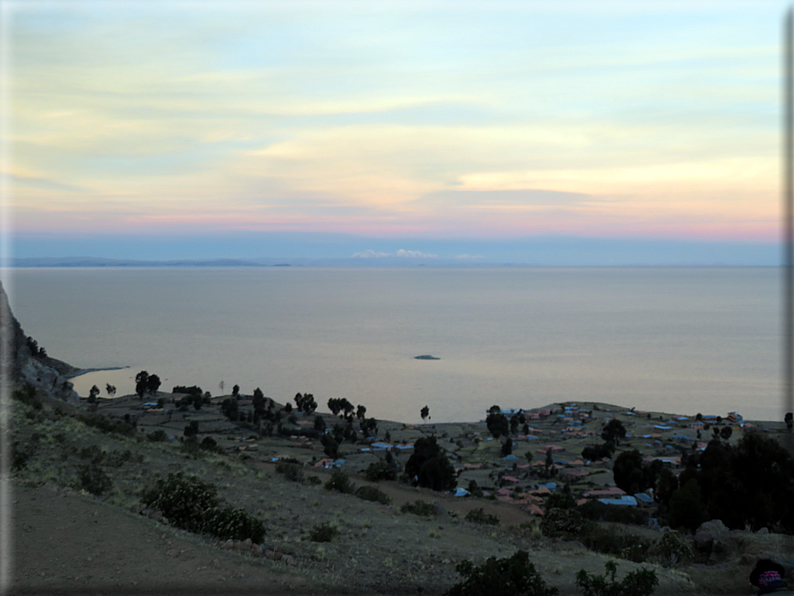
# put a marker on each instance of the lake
(681, 340)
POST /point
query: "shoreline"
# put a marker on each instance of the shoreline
(84, 371)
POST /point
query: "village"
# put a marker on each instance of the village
(545, 454)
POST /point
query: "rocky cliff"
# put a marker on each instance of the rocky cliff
(23, 362)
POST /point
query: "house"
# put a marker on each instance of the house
(624, 500)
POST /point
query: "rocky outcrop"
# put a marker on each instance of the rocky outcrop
(19, 365)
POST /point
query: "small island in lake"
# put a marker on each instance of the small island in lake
(426, 357)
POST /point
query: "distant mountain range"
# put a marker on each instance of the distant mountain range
(271, 262)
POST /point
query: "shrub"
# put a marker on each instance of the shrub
(418, 508)
(20, 456)
(340, 482)
(560, 500)
(324, 532)
(642, 582)
(380, 470)
(106, 425)
(94, 479)
(227, 522)
(92, 453)
(672, 548)
(193, 505)
(598, 511)
(157, 436)
(610, 541)
(510, 576)
(370, 493)
(27, 395)
(210, 444)
(562, 522)
(478, 516)
(182, 499)
(314, 480)
(290, 471)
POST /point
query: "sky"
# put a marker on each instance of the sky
(534, 132)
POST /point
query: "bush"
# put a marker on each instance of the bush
(610, 541)
(563, 522)
(27, 395)
(672, 549)
(106, 425)
(20, 456)
(290, 471)
(642, 582)
(598, 511)
(340, 482)
(229, 523)
(418, 508)
(380, 470)
(184, 500)
(94, 479)
(157, 436)
(370, 493)
(478, 516)
(510, 576)
(324, 532)
(193, 505)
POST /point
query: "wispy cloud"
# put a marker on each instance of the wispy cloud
(438, 120)
(401, 254)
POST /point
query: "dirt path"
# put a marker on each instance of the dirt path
(65, 543)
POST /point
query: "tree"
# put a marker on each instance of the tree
(595, 452)
(516, 420)
(330, 445)
(319, 423)
(430, 466)
(141, 380)
(305, 403)
(361, 412)
(789, 420)
(686, 506)
(747, 484)
(229, 409)
(726, 432)
(497, 422)
(258, 401)
(369, 426)
(92, 394)
(340, 404)
(191, 430)
(235, 391)
(425, 413)
(507, 447)
(153, 384)
(666, 485)
(613, 431)
(111, 389)
(628, 471)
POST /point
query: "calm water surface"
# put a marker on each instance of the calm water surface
(683, 340)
